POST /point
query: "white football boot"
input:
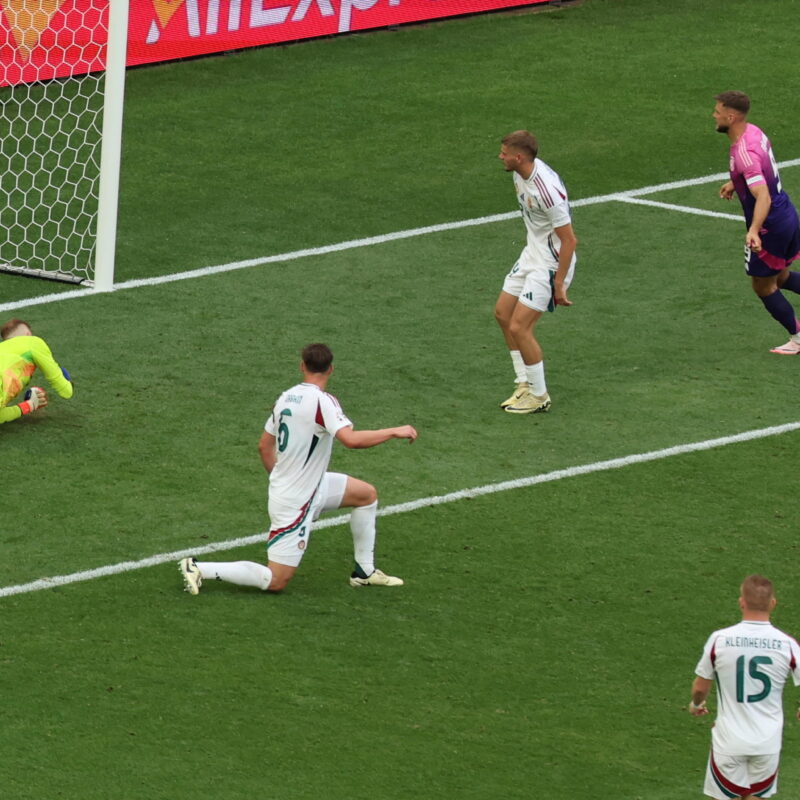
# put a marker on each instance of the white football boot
(377, 578)
(192, 578)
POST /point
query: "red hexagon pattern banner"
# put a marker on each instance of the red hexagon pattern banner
(45, 39)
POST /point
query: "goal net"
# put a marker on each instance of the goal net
(54, 87)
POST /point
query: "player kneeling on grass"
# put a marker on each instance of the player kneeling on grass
(295, 449)
(20, 354)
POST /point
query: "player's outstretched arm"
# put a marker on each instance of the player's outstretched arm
(35, 398)
(56, 375)
(357, 440)
(10, 413)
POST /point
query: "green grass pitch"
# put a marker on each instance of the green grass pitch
(545, 640)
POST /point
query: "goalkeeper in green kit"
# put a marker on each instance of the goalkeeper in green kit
(20, 354)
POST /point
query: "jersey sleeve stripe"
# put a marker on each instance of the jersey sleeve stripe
(553, 250)
(543, 191)
(744, 154)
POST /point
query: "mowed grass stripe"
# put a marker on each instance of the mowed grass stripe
(400, 508)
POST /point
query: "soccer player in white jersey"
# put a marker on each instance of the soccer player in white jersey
(295, 449)
(751, 662)
(539, 280)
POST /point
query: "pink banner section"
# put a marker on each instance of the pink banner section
(45, 39)
(161, 30)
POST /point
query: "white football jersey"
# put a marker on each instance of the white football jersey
(751, 662)
(304, 422)
(544, 204)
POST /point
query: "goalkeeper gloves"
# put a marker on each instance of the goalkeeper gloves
(34, 398)
(66, 374)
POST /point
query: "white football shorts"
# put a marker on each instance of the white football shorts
(290, 527)
(739, 776)
(531, 281)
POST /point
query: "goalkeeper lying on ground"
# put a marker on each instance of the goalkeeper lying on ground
(20, 354)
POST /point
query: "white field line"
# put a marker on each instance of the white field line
(355, 243)
(401, 508)
(700, 212)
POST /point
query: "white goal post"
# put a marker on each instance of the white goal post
(62, 84)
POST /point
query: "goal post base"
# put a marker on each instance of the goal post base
(46, 275)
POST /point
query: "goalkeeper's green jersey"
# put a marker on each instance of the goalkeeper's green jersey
(19, 358)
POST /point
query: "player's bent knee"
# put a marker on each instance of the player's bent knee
(281, 575)
(517, 328)
(367, 495)
(278, 584)
(764, 287)
(358, 493)
(504, 310)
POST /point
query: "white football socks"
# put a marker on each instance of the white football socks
(534, 374)
(519, 366)
(243, 573)
(362, 524)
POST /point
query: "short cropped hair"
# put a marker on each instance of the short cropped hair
(522, 140)
(11, 326)
(738, 101)
(317, 357)
(758, 593)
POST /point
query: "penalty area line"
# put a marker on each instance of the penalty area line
(700, 212)
(352, 244)
(414, 505)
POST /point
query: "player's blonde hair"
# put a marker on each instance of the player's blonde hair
(524, 141)
(8, 329)
(758, 593)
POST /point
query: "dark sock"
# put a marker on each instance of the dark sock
(781, 310)
(792, 282)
